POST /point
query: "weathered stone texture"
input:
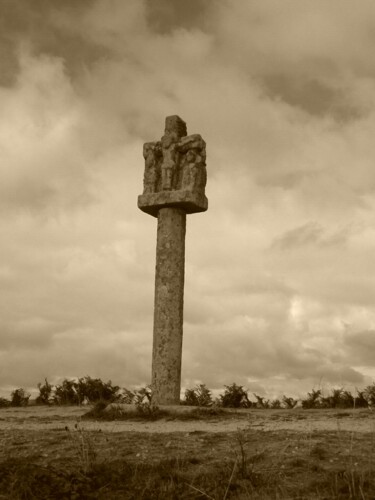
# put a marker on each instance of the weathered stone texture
(174, 185)
(168, 312)
(175, 170)
(190, 201)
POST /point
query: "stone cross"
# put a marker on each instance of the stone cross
(174, 185)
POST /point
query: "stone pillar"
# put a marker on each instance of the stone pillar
(169, 303)
(174, 185)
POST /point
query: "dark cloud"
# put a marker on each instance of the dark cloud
(30, 333)
(258, 356)
(77, 53)
(361, 346)
(312, 96)
(165, 16)
(342, 375)
(40, 24)
(9, 64)
(76, 353)
(286, 180)
(309, 234)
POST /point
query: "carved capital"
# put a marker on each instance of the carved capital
(175, 170)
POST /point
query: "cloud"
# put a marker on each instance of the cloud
(303, 39)
(312, 96)
(282, 261)
(164, 16)
(310, 234)
(43, 165)
(360, 345)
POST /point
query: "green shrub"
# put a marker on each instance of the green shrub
(19, 397)
(71, 392)
(369, 394)
(275, 404)
(289, 403)
(199, 396)
(261, 402)
(45, 391)
(314, 399)
(94, 389)
(4, 403)
(360, 400)
(338, 399)
(235, 396)
(66, 393)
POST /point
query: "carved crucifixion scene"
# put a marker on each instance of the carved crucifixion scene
(175, 170)
(175, 162)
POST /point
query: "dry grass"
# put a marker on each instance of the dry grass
(69, 462)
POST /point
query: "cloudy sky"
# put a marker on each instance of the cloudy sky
(280, 272)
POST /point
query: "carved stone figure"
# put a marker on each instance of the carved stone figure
(175, 128)
(169, 165)
(194, 175)
(151, 154)
(177, 162)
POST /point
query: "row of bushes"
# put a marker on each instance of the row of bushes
(92, 390)
(69, 392)
(235, 396)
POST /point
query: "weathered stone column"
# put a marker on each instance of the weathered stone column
(174, 185)
(169, 304)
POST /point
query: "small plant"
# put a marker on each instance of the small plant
(289, 403)
(338, 399)
(235, 396)
(369, 395)
(45, 391)
(263, 403)
(19, 397)
(241, 459)
(91, 390)
(66, 393)
(360, 400)
(313, 400)
(94, 389)
(346, 400)
(245, 468)
(84, 447)
(145, 407)
(4, 403)
(275, 404)
(199, 396)
(191, 398)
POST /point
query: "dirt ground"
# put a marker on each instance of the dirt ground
(52, 434)
(298, 420)
(272, 453)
